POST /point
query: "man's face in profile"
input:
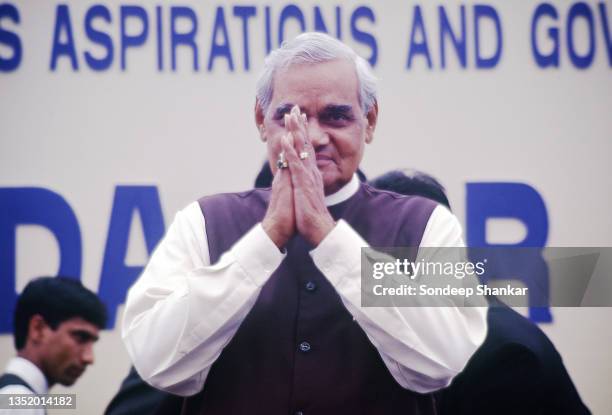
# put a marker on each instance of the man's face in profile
(68, 350)
(337, 127)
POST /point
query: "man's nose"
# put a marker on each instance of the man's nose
(317, 135)
(87, 356)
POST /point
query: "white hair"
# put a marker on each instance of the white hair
(311, 48)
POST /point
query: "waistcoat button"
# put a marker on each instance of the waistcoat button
(304, 347)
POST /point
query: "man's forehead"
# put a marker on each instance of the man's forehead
(332, 83)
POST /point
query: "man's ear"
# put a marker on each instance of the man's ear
(36, 329)
(372, 117)
(259, 121)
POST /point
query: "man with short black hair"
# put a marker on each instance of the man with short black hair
(56, 323)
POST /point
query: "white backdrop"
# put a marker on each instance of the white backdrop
(82, 133)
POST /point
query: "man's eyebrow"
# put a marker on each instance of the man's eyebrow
(282, 110)
(342, 108)
(85, 334)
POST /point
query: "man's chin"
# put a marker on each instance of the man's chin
(70, 378)
(67, 381)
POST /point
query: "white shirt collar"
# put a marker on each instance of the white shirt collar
(29, 372)
(344, 193)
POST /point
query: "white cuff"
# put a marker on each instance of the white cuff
(257, 255)
(339, 253)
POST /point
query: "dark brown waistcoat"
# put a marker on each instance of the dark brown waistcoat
(299, 350)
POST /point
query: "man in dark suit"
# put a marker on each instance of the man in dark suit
(517, 370)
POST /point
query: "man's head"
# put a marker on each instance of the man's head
(55, 326)
(336, 90)
(412, 182)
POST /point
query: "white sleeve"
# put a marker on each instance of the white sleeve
(423, 347)
(182, 311)
(19, 390)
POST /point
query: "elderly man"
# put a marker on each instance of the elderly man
(251, 303)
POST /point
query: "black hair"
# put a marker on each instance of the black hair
(412, 183)
(56, 299)
(264, 177)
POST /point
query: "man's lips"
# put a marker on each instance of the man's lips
(324, 159)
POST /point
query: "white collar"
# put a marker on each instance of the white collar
(29, 372)
(344, 193)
